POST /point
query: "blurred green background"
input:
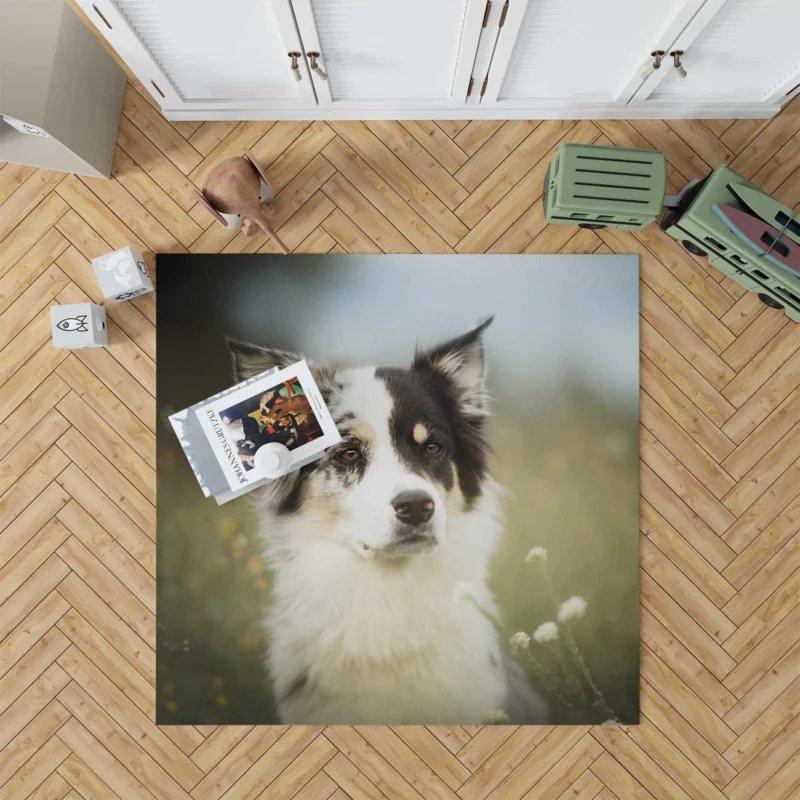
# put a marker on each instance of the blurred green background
(563, 358)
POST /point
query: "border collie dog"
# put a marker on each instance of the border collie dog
(371, 543)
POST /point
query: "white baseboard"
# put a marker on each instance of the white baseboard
(367, 112)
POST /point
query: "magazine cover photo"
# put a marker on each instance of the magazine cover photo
(281, 414)
(462, 545)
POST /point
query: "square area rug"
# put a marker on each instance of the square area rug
(468, 553)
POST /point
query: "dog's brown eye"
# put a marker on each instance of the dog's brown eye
(350, 455)
(433, 448)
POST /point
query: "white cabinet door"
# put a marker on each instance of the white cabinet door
(563, 54)
(208, 54)
(735, 51)
(390, 55)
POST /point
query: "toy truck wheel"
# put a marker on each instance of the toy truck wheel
(769, 301)
(693, 248)
(592, 226)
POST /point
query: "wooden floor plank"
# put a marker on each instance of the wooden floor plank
(12, 176)
(502, 180)
(692, 635)
(101, 765)
(31, 484)
(493, 152)
(209, 135)
(685, 665)
(108, 515)
(109, 479)
(84, 782)
(374, 226)
(159, 131)
(108, 660)
(705, 721)
(682, 555)
(113, 628)
(28, 596)
(503, 201)
(125, 749)
(149, 737)
(35, 735)
(476, 133)
(152, 197)
(429, 171)
(437, 143)
(151, 160)
(759, 698)
(238, 759)
(639, 764)
(26, 198)
(659, 714)
(31, 629)
(417, 214)
(30, 267)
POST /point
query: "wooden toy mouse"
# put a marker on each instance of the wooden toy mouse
(235, 192)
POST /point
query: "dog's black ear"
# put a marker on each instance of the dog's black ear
(251, 359)
(461, 360)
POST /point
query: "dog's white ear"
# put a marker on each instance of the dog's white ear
(462, 361)
(251, 359)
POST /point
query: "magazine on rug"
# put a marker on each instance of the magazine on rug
(231, 439)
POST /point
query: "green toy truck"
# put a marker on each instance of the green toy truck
(614, 187)
(702, 232)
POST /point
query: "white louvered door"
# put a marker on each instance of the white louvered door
(212, 54)
(567, 53)
(449, 59)
(743, 52)
(390, 54)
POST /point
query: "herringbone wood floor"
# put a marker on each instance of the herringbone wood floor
(720, 469)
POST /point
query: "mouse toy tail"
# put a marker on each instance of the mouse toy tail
(263, 223)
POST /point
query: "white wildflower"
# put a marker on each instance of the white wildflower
(546, 632)
(611, 721)
(572, 608)
(465, 592)
(497, 718)
(519, 641)
(536, 554)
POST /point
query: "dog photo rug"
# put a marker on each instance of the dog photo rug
(467, 554)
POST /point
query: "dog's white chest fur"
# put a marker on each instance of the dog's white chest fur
(358, 642)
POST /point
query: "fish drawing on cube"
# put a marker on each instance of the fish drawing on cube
(78, 325)
(122, 275)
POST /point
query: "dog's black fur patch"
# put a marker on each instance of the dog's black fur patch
(433, 393)
(290, 501)
(430, 398)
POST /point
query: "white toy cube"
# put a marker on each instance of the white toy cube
(78, 325)
(122, 274)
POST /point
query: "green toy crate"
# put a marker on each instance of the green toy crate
(702, 232)
(605, 187)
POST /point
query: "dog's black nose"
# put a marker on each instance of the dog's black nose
(413, 507)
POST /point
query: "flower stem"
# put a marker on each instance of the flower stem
(573, 646)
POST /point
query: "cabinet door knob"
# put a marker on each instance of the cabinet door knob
(313, 56)
(676, 58)
(657, 56)
(294, 55)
